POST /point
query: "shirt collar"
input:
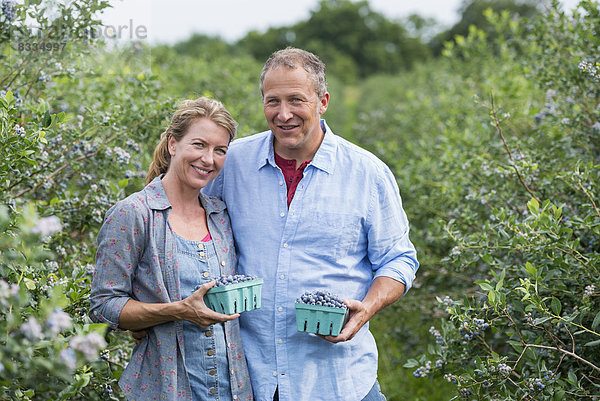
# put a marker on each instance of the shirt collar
(157, 198)
(324, 158)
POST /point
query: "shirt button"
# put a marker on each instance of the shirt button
(206, 274)
(208, 333)
(285, 245)
(280, 341)
(211, 372)
(280, 309)
(210, 352)
(212, 390)
(280, 182)
(201, 253)
(282, 214)
(235, 396)
(275, 374)
(200, 246)
(222, 263)
(282, 277)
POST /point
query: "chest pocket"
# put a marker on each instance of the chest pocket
(332, 235)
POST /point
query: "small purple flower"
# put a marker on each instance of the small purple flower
(32, 330)
(7, 291)
(589, 290)
(67, 356)
(58, 321)
(88, 345)
(47, 226)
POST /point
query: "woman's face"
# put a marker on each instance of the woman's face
(199, 156)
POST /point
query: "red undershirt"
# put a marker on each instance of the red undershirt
(291, 174)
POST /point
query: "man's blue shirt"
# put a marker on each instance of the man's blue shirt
(344, 227)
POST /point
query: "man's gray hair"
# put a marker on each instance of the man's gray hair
(292, 58)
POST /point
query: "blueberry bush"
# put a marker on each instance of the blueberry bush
(496, 148)
(78, 125)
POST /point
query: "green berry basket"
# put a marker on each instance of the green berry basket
(317, 319)
(235, 298)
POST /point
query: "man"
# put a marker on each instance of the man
(337, 224)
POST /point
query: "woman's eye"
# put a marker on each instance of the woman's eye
(199, 144)
(221, 151)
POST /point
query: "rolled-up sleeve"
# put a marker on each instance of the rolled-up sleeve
(120, 247)
(389, 248)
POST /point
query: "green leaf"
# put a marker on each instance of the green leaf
(531, 271)
(541, 320)
(9, 96)
(411, 363)
(99, 328)
(572, 377)
(29, 283)
(485, 285)
(492, 297)
(559, 395)
(500, 282)
(592, 343)
(555, 306)
(517, 345)
(534, 206)
(117, 373)
(431, 349)
(47, 119)
(596, 321)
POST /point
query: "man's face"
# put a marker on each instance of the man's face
(293, 110)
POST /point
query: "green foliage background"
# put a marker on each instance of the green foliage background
(494, 143)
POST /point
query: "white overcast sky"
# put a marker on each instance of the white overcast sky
(170, 21)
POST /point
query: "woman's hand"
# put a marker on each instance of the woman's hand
(137, 315)
(196, 311)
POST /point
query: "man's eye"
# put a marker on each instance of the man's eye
(199, 144)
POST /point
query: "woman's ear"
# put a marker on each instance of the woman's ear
(171, 145)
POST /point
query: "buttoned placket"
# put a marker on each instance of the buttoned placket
(210, 267)
(290, 223)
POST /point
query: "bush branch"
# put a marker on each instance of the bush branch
(514, 166)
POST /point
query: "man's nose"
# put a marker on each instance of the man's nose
(285, 112)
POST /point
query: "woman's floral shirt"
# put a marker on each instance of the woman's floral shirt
(136, 259)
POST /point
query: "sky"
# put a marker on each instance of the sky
(171, 21)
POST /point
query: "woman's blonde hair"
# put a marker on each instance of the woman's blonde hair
(188, 112)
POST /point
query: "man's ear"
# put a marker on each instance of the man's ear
(324, 103)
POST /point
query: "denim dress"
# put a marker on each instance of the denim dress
(205, 352)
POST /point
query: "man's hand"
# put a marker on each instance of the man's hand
(138, 335)
(358, 316)
(383, 292)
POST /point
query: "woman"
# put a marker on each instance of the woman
(155, 248)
